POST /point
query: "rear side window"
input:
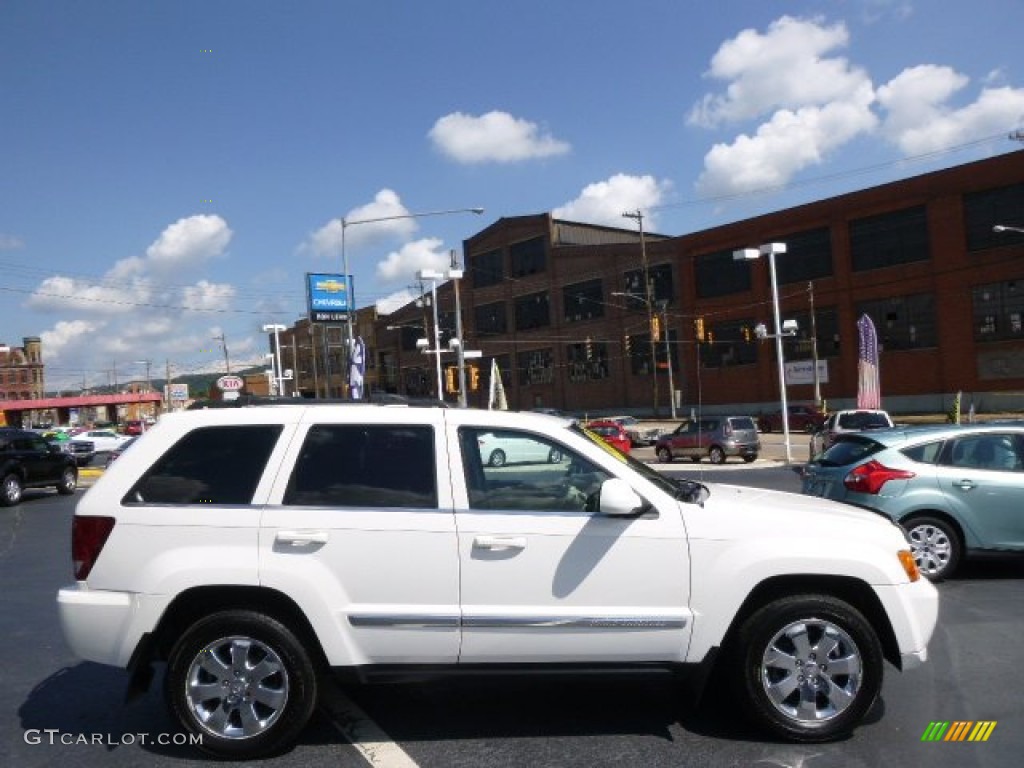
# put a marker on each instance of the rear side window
(743, 422)
(210, 465)
(926, 454)
(848, 450)
(363, 465)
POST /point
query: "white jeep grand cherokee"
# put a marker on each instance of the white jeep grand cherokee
(254, 548)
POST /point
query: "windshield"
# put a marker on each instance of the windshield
(684, 490)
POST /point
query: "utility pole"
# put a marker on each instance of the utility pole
(455, 269)
(814, 348)
(639, 217)
(224, 345)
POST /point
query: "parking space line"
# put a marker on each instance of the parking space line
(361, 732)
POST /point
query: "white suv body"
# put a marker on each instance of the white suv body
(372, 538)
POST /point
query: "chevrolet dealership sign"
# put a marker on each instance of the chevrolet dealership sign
(329, 297)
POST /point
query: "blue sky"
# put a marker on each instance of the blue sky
(169, 171)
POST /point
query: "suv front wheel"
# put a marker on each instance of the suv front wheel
(243, 682)
(807, 667)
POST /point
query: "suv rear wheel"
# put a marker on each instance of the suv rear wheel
(242, 681)
(807, 667)
(10, 490)
(716, 455)
(68, 482)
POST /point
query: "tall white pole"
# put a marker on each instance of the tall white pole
(778, 353)
(437, 340)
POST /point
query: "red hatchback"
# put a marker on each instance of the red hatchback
(612, 433)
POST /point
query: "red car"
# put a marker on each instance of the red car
(802, 418)
(612, 433)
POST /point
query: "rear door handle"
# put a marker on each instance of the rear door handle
(499, 542)
(301, 538)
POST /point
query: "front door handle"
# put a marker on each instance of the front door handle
(965, 485)
(301, 538)
(499, 542)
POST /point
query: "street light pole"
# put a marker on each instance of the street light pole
(1005, 228)
(769, 250)
(279, 373)
(345, 224)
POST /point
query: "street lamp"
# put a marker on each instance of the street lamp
(663, 306)
(345, 224)
(1005, 228)
(276, 329)
(769, 250)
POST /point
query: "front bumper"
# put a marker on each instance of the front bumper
(913, 609)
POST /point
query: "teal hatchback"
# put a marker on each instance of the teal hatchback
(955, 490)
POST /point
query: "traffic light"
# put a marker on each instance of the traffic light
(629, 346)
(590, 350)
(698, 328)
(711, 337)
(656, 328)
(746, 333)
(474, 378)
(451, 379)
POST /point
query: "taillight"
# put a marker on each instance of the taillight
(870, 477)
(88, 535)
(727, 429)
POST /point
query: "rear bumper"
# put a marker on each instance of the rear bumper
(105, 627)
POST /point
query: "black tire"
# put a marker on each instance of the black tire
(749, 458)
(790, 695)
(68, 481)
(11, 489)
(716, 455)
(664, 455)
(249, 656)
(936, 546)
(497, 458)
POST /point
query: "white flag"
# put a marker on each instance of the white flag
(496, 398)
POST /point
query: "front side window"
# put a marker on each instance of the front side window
(513, 470)
(209, 465)
(365, 465)
(999, 452)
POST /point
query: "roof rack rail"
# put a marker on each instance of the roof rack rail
(380, 399)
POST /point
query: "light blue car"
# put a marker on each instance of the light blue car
(956, 490)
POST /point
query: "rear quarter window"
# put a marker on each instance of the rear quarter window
(743, 422)
(928, 453)
(209, 465)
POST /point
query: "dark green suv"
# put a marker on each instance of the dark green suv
(29, 460)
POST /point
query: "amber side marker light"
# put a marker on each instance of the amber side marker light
(909, 564)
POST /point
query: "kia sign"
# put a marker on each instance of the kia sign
(329, 297)
(230, 383)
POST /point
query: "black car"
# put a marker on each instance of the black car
(28, 460)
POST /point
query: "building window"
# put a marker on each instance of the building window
(808, 256)
(527, 257)
(490, 319)
(536, 367)
(998, 310)
(583, 301)
(800, 347)
(983, 210)
(902, 322)
(718, 274)
(533, 311)
(729, 343)
(900, 237)
(587, 361)
(487, 269)
(661, 285)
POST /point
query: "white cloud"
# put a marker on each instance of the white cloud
(326, 241)
(66, 334)
(395, 301)
(204, 296)
(61, 293)
(404, 263)
(788, 143)
(604, 202)
(784, 68)
(189, 241)
(919, 118)
(495, 137)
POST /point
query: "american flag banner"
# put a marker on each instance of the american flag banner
(869, 390)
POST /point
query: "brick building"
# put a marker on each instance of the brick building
(21, 370)
(566, 311)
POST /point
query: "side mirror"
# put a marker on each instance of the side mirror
(618, 499)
